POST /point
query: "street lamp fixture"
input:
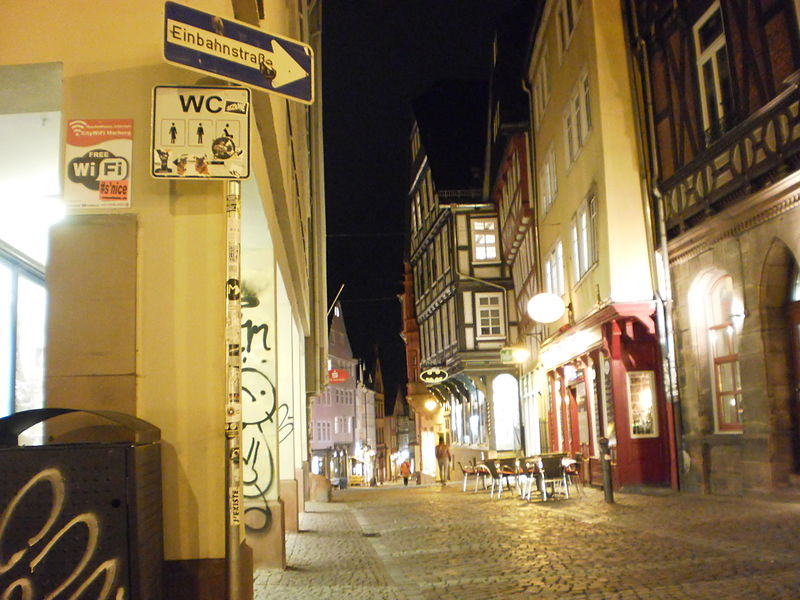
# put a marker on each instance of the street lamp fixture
(546, 307)
(431, 405)
(520, 354)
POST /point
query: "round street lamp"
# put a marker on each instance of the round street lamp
(546, 307)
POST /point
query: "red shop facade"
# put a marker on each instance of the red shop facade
(604, 379)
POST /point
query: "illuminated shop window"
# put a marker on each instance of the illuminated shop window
(642, 404)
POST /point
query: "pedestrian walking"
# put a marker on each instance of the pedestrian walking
(443, 458)
(405, 471)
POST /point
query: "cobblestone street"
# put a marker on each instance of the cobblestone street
(422, 543)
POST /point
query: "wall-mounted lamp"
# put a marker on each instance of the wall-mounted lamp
(547, 307)
(431, 405)
(519, 354)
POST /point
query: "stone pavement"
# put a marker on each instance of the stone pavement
(431, 542)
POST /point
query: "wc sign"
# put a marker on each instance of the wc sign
(200, 132)
(98, 158)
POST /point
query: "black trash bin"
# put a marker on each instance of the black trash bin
(81, 517)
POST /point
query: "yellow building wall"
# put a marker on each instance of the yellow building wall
(607, 164)
(626, 244)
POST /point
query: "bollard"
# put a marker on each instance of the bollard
(605, 461)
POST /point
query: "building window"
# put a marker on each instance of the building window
(541, 91)
(567, 17)
(577, 119)
(713, 72)
(484, 240)
(548, 184)
(23, 308)
(490, 314)
(641, 404)
(554, 270)
(724, 356)
(584, 238)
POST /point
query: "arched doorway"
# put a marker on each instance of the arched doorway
(780, 310)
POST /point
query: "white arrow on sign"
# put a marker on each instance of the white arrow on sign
(277, 64)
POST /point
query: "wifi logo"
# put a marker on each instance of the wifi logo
(77, 126)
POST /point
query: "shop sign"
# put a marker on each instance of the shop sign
(97, 163)
(434, 375)
(338, 376)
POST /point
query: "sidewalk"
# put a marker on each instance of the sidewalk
(430, 542)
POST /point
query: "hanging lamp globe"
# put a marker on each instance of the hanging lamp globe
(546, 307)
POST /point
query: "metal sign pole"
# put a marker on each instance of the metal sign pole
(233, 401)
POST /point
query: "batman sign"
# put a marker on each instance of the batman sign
(433, 375)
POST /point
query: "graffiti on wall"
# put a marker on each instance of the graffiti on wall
(260, 414)
(27, 568)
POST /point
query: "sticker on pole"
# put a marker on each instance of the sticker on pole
(200, 132)
(98, 157)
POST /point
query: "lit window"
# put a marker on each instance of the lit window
(554, 270)
(490, 314)
(642, 404)
(567, 17)
(577, 119)
(541, 91)
(484, 240)
(548, 184)
(724, 356)
(713, 72)
(23, 307)
(584, 238)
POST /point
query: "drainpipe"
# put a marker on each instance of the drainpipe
(663, 294)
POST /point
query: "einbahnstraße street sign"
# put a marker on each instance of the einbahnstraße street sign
(237, 52)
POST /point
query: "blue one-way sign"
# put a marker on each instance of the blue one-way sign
(235, 51)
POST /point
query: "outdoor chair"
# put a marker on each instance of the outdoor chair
(509, 468)
(572, 469)
(530, 470)
(470, 471)
(496, 477)
(481, 473)
(552, 475)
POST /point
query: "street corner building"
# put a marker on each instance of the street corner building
(139, 311)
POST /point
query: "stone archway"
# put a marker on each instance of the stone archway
(784, 423)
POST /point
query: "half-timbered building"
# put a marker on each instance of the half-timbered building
(463, 298)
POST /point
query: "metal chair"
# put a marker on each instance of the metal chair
(552, 475)
(469, 471)
(530, 471)
(496, 477)
(509, 468)
(572, 469)
(481, 473)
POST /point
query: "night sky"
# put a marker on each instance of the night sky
(377, 56)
